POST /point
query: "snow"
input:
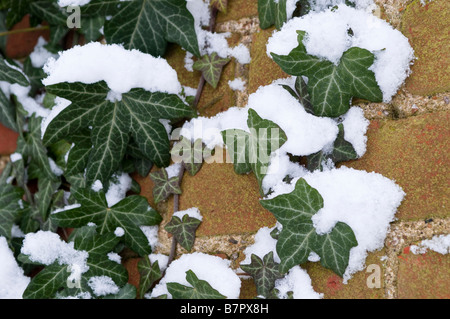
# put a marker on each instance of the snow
(191, 212)
(67, 207)
(328, 38)
(65, 3)
(161, 259)
(237, 84)
(46, 247)
(40, 55)
(264, 244)
(215, 270)
(97, 186)
(118, 188)
(60, 105)
(173, 170)
(367, 202)
(151, 232)
(210, 42)
(31, 105)
(121, 70)
(439, 244)
(189, 62)
(55, 168)
(355, 128)
(103, 285)
(119, 232)
(13, 282)
(114, 257)
(15, 157)
(298, 282)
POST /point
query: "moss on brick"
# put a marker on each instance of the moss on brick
(414, 153)
(238, 9)
(427, 28)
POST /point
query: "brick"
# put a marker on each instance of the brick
(228, 202)
(263, 70)
(331, 285)
(423, 276)
(20, 45)
(238, 9)
(414, 153)
(8, 140)
(133, 273)
(427, 28)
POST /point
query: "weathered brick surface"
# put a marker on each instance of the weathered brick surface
(8, 140)
(238, 9)
(427, 28)
(414, 153)
(424, 276)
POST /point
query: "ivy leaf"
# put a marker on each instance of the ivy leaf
(49, 11)
(11, 74)
(7, 113)
(129, 214)
(211, 67)
(220, 5)
(90, 27)
(342, 151)
(164, 186)
(104, 7)
(136, 115)
(272, 12)
(332, 86)
(35, 75)
(149, 274)
(200, 289)
(126, 292)
(47, 188)
(264, 272)
(147, 25)
(17, 10)
(47, 282)
(298, 237)
(190, 154)
(334, 248)
(183, 230)
(10, 209)
(253, 150)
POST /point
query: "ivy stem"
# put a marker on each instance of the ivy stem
(176, 208)
(201, 84)
(44, 27)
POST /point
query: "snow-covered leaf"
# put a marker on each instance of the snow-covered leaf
(129, 214)
(298, 237)
(200, 289)
(211, 67)
(164, 186)
(183, 230)
(136, 115)
(147, 25)
(264, 271)
(331, 86)
(252, 151)
(11, 75)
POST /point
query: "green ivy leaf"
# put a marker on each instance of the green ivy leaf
(342, 151)
(137, 115)
(147, 25)
(149, 274)
(35, 75)
(9, 208)
(251, 151)
(331, 86)
(104, 7)
(200, 289)
(17, 10)
(90, 27)
(298, 238)
(264, 271)
(183, 230)
(271, 12)
(7, 113)
(211, 67)
(129, 214)
(11, 74)
(49, 11)
(164, 186)
(47, 282)
(43, 197)
(126, 292)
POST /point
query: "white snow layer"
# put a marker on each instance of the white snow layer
(298, 281)
(121, 69)
(40, 54)
(215, 270)
(328, 38)
(439, 244)
(367, 202)
(237, 84)
(103, 285)
(191, 212)
(65, 3)
(12, 280)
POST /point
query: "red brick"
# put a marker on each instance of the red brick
(8, 140)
